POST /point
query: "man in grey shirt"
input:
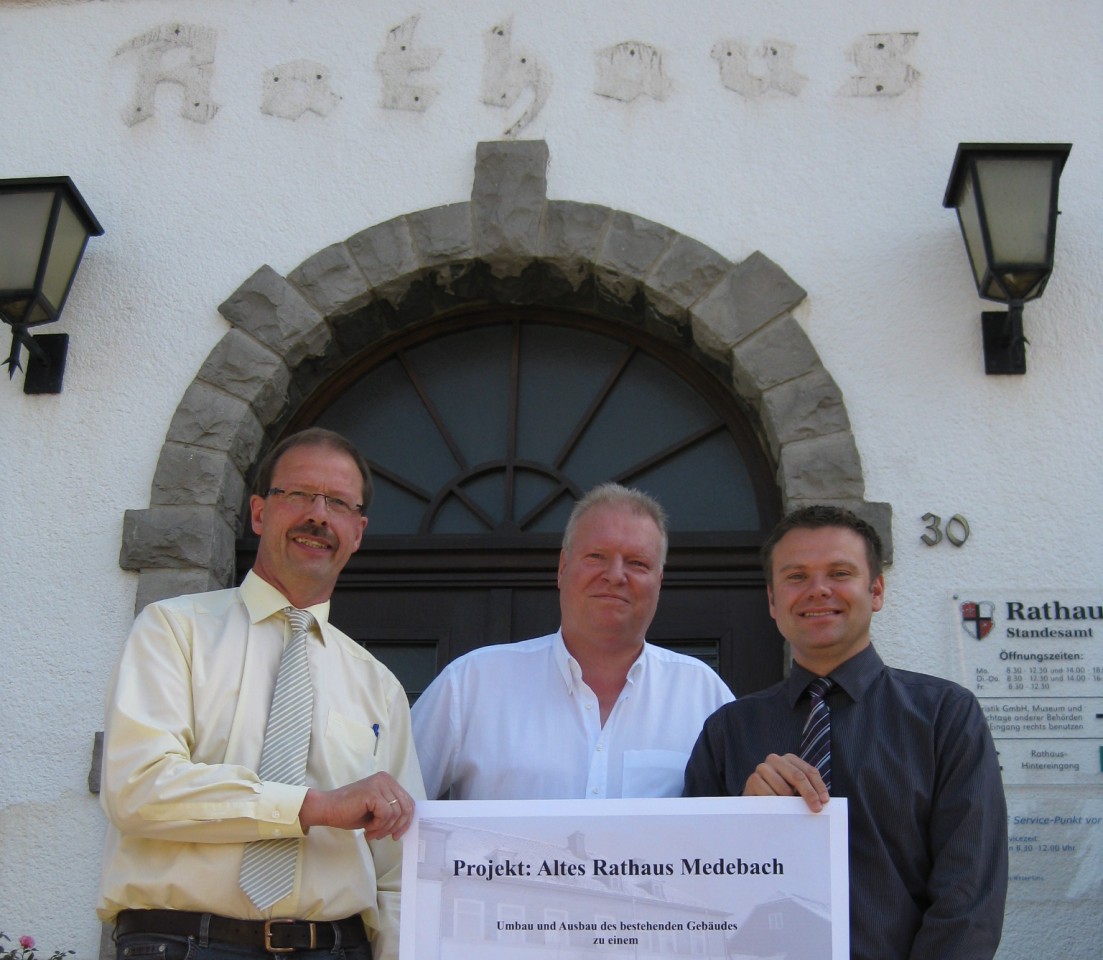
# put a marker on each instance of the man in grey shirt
(911, 753)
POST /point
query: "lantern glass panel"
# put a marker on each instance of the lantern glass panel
(24, 217)
(972, 231)
(1017, 202)
(70, 237)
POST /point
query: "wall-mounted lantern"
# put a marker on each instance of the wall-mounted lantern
(1005, 195)
(44, 227)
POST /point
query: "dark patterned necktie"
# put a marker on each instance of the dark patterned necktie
(268, 866)
(815, 742)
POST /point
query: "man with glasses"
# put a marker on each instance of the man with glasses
(259, 767)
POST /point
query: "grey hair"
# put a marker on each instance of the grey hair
(621, 497)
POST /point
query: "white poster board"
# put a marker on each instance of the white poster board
(708, 877)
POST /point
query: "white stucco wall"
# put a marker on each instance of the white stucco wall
(843, 192)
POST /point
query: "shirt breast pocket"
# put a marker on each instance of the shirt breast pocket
(654, 773)
(351, 749)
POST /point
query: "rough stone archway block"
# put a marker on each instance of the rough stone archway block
(386, 255)
(629, 249)
(279, 316)
(571, 237)
(810, 406)
(185, 536)
(443, 235)
(776, 352)
(686, 272)
(209, 418)
(821, 469)
(752, 294)
(508, 197)
(332, 280)
(189, 475)
(245, 368)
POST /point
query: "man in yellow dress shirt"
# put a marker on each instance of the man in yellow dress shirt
(187, 711)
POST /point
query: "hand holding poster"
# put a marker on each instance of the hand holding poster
(572, 879)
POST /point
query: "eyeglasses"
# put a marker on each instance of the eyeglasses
(301, 500)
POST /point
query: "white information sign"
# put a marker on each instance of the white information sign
(709, 877)
(1035, 663)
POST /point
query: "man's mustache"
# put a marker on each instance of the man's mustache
(315, 532)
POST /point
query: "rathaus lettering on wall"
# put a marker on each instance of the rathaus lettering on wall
(512, 79)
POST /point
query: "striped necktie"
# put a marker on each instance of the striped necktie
(815, 741)
(268, 867)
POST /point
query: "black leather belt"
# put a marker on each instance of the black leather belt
(274, 936)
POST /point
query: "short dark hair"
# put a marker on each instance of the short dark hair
(819, 515)
(623, 498)
(313, 437)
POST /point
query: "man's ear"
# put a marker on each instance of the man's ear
(256, 513)
(877, 588)
(360, 535)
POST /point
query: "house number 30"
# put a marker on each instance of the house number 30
(956, 531)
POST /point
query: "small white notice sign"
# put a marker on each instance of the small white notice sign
(1035, 663)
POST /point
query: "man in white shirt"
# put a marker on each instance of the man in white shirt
(187, 718)
(591, 711)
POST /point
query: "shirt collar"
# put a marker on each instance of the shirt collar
(262, 601)
(853, 676)
(569, 668)
(571, 671)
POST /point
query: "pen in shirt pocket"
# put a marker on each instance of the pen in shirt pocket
(375, 730)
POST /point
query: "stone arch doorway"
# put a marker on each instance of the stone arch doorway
(508, 246)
